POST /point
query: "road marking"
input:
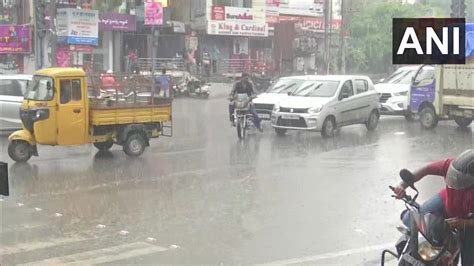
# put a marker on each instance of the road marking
(26, 247)
(105, 255)
(330, 255)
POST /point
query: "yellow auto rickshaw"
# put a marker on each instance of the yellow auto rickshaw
(63, 106)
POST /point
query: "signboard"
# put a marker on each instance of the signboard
(77, 26)
(237, 29)
(218, 13)
(153, 13)
(117, 22)
(272, 11)
(15, 39)
(312, 24)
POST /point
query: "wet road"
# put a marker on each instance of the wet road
(205, 197)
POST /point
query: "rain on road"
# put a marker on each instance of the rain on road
(205, 197)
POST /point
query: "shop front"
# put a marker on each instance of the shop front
(114, 29)
(240, 35)
(15, 48)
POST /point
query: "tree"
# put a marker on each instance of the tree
(370, 43)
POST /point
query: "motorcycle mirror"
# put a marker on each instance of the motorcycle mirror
(407, 177)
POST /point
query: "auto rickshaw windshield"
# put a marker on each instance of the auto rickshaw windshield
(40, 89)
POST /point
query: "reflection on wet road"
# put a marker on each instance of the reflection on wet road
(203, 196)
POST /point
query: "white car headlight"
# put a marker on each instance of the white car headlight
(276, 108)
(401, 93)
(426, 250)
(315, 110)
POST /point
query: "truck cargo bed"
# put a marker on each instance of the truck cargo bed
(130, 115)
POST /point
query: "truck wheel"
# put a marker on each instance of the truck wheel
(329, 127)
(104, 146)
(428, 118)
(134, 145)
(280, 131)
(19, 150)
(463, 122)
(373, 121)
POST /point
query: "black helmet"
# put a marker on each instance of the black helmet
(461, 171)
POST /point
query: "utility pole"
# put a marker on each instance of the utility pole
(329, 25)
(342, 44)
(326, 23)
(52, 23)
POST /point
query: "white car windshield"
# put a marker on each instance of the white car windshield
(401, 77)
(40, 89)
(285, 85)
(318, 88)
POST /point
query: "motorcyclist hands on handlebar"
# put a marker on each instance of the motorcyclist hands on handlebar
(244, 86)
(455, 202)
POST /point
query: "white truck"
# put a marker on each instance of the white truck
(450, 96)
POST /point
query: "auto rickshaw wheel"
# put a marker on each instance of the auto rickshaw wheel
(104, 146)
(134, 145)
(19, 150)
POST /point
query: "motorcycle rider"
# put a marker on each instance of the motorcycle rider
(455, 202)
(244, 86)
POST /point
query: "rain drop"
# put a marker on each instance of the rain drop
(20, 204)
(58, 214)
(399, 133)
(100, 226)
(174, 247)
(1, 200)
(38, 209)
(151, 239)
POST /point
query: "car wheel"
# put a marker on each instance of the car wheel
(373, 121)
(135, 145)
(463, 122)
(428, 118)
(280, 131)
(19, 150)
(104, 146)
(329, 127)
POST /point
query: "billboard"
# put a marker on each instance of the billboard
(77, 26)
(15, 39)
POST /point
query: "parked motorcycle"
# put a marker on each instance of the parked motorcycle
(191, 86)
(428, 240)
(243, 119)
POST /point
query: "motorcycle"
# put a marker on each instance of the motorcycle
(243, 119)
(428, 240)
(192, 86)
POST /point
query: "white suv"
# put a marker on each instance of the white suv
(327, 102)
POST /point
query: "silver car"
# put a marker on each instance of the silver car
(12, 89)
(325, 103)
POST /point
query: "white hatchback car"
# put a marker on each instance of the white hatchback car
(278, 91)
(12, 90)
(327, 102)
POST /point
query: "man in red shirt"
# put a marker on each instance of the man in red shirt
(456, 201)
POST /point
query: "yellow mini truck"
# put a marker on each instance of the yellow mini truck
(63, 106)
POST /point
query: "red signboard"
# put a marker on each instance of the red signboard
(218, 13)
